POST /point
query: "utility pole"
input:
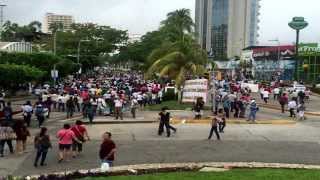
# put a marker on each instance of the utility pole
(1, 18)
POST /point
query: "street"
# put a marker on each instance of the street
(140, 144)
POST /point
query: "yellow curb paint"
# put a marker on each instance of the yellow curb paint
(208, 121)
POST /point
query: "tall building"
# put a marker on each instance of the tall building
(225, 27)
(51, 18)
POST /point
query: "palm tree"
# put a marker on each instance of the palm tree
(180, 56)
(178, 60)
(177, 24)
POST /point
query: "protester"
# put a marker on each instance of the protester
(118, 103)
(70, 107)
(27, 111)
(283, 100)
(214, 128)
(198, 108)
(276, 93)
(89, 111)
(165, 121)
(2, 101)
(42, 144)
(292, 105)
(66, 137)
(7, 111)
(81, 134)
(134, 105)
(22, 133)
(253, 111)
(39, 112)
(107, 149)
(7, 135)
(301, 109)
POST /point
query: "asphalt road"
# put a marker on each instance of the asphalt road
(139, 144)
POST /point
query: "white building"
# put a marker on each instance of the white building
(23, 47)
(51, 18)
(225, 27)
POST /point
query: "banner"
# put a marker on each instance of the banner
(254, 87)
(194, 89)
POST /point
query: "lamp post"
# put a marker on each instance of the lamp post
(298, 23)
(79, 47)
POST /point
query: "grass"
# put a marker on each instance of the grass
(237, 174)
(172, 105)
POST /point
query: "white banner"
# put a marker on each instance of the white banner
(194, 89)
(254, 87)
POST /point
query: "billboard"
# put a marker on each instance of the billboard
(194, 89)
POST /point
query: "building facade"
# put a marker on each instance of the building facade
(51, 18)
(22, 47)
(225, 27)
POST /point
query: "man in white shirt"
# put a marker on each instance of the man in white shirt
(118, 108)
(292, 105)
(276, 93)
(265, 95)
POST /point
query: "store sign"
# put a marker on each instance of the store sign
(310, 48)
(194, 89)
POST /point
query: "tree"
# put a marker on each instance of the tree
(177, 24)
(15, 33)
(178, 60)
(180, 56)
(13, 76)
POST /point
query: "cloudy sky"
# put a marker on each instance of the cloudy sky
(140, 16)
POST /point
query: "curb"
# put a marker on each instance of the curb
(167, 168)
(121, 122)
(276, 108)
(258, 122)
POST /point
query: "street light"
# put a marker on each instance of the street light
(79, 46)
(298, 23)
(278, 43)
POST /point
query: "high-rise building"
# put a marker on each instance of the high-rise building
(50, 18)
(225, 27)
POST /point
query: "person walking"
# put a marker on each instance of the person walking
(107, 149)
(39, 112)
(2, 102)
(118, 103)
(70, 107)
(89, 111)
(265, 95)
(292, 105)
(283, 100)
(276, 93)
(301, 109)
(226, 106)
(7, 134)
(134, 106)
(165, 121)
(253, 110)
(198, 108)
(66, 137)
(214, 128)
(27, 111)
(7, 111)
(42, 144)
(81, 134)
(221, 120)
(22, 133)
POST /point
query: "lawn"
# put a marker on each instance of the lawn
(172, 105)
(237, 174)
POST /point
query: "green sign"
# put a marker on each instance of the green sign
(298, 23)
(309, 49)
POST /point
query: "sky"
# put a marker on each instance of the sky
(141, 16)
